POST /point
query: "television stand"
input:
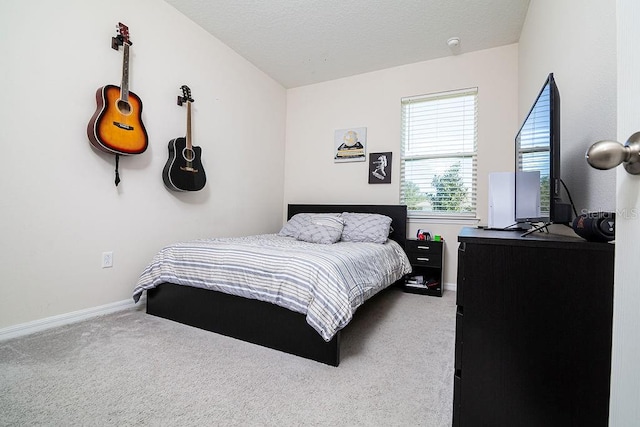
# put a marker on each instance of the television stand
(534, 229)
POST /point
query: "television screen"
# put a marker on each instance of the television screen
(537, 177)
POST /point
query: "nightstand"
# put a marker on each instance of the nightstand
(427, 260)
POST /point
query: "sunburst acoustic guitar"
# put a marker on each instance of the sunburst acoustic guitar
(116, 127)
(183, 170)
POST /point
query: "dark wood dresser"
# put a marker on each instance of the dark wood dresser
(533, 330)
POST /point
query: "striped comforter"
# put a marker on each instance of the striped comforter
(327, 283)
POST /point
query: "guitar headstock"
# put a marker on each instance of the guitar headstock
(186, 95)
(122, 37)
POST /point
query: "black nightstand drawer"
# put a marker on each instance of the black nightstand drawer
(424, 253)
(427, 260)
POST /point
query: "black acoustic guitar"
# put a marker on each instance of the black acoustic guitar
(183, 170)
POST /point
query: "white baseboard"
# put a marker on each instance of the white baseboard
(65, 319)
(451, 287)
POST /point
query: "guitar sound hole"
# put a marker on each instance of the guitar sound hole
(188, 154)
(124, 107)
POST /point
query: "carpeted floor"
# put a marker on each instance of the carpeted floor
(130, 368)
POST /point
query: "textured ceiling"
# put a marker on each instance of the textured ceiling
(300, 42)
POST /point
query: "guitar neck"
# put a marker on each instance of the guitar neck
(189, 145)
(124, 87)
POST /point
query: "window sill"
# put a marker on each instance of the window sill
(433, 219)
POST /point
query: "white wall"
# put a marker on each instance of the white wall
(60, 209)
(372, 100)
(576, 40)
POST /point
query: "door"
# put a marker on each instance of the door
(625, 374)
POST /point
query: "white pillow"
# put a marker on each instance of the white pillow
(364, 227)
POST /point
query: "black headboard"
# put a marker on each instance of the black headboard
(397, 213)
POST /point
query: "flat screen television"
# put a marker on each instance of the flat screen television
(537, 152)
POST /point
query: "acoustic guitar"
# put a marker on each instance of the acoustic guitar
(116, 127)
(183, 170)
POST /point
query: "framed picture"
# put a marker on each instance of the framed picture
(350, 145)
(380, 168)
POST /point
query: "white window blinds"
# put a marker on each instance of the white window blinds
(438, 158)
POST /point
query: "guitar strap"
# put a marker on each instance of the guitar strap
(117, 174)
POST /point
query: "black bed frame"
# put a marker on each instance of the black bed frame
(257, 321)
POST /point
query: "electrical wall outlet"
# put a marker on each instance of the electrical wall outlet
(107, 259)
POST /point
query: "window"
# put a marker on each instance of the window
(438, 156)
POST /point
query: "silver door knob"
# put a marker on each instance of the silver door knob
(609, 154)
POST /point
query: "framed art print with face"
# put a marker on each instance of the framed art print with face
(350, 145)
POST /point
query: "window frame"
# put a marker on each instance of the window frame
(472, 154)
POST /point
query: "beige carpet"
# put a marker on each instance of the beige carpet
(130, 368)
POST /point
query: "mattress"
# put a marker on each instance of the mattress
(325, 282)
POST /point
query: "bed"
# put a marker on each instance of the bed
(266, 321)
